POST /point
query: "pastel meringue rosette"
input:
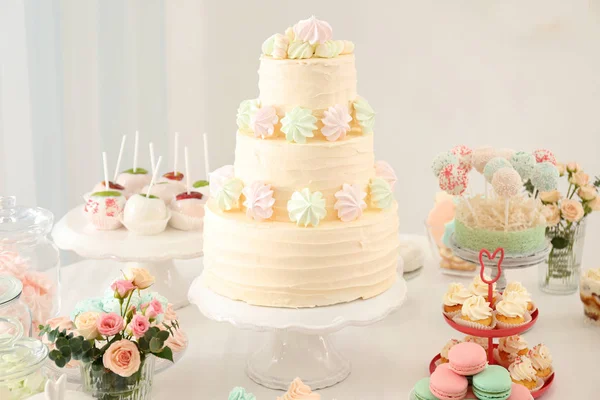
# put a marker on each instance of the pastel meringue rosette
(386, 172)
(258, 201)
(313, 30)
(336, 123)
(263, 122)
(306, 208)
(298, 390)
(350, 202)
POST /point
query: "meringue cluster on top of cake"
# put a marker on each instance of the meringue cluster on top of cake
(305, 217)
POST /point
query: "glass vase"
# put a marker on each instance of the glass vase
(106, 385)
(561, 272)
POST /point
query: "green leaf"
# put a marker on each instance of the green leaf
(162, 335)
(143, 344)
(86, 346)
(559, 242)
(156, 345)
(61, 362)
(65, 351)
(75, 345)
(61, 342)
(166, 354)
(86, 357)
(77, 355)
(200, 183)
(97, 366)
(54, 355)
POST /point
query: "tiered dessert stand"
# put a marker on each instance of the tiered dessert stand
(155, 253)
(299, 343)
(491, 334)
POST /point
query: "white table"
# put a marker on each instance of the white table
(387, 358)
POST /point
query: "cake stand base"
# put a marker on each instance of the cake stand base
(287, 355)
(298, 343)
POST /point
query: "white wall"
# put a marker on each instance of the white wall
(521, 74)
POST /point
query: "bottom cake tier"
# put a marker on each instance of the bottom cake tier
(278, 264)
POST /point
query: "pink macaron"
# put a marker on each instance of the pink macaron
(467, 358)
(519, 392)
(446, 384)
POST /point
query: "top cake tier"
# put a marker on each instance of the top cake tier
(313, 83)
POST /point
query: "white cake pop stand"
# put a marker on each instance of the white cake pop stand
(154, 253)
(299, 343)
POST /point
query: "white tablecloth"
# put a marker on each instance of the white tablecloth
(387, 358)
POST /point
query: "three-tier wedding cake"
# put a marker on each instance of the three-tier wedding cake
(305, 217)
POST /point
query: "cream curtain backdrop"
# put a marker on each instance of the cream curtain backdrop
(76, 75)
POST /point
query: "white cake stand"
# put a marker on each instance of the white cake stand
(155, 253)
(299, 343)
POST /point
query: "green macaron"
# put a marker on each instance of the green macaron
(493, 383)
(422, 391)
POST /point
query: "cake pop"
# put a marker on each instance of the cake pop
(494, 165)
(453, 179)
(134, 179)
(442, 160)
(545, 177)
(465, 156)
(481, 156)
(523, 163)
(165, 190)
(507, 182)
(104, 208)
(543, 155)
(112, 185)
(505, 153)
(187, 208)
(175, 175)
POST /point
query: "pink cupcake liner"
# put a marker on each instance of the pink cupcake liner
(504, 325)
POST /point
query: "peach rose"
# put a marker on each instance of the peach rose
(573, 167)
(595, 204)
(86, 324)
(140, 277)
(177, 342)
(552, 214)
(587, 193)
(580, 178)
(122, 358)
(550, 197)
(561, 169)
(571, 210)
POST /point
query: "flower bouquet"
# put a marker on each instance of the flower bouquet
(117, 349)
(566, 217)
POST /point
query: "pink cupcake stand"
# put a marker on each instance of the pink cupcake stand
(491, 334)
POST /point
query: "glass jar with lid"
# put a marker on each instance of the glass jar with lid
(12, 306)
(22, 359)
(28, 253)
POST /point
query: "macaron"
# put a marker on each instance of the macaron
(422, 391)
(493, 383)
(520, 392)
(446, 384)
(467, 358)
(470, 395)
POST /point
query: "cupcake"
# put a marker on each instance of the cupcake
(444, 353)
(298, 390)
(478, 311)
(590, 293)
(519, 290)
(541, 359)
(511, 347)
(455, 297)
(523, 373)
(483, 342)
(511, 309)
(480, 288)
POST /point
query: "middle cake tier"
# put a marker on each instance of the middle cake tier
(319, 166)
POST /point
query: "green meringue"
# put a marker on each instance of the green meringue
(298, 124)
(229, 194)
(239, 393)
(381, 193)
(245, 112)
(299, 49)
(267, 46)
(364, 114)
(329, 49)
(306, 208)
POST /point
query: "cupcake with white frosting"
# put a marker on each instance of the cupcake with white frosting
(483, 342)
(541, 359)
(477, 313)
(454, 299)
(519, 290)
(523, 373)
(590, 294)
(511, 347)
(511, 311)
(444, 353)
(479, 288)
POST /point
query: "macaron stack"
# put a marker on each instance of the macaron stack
(493, 383)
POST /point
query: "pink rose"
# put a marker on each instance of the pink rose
(152, 309)
(552, 214)
(178, 341)
(170, 314)
(587, 193)
(139, 325)
(573, 167)
(122, 358)
(110, 324)
(122, 288)
(580, 178)
(571, 210)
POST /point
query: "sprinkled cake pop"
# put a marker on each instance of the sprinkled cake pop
(523, 163)
(465, 155)
(453, 179)
(505, 153)
(442, 160)
(494, 165)
(481, 156)
(545, 177)
(543, 155)
(507, 182)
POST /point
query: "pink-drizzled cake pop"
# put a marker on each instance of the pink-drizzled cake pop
(453, 179)
(465, 155)
(187, 208)
(544, 155)
(507, 182)
(481, 156)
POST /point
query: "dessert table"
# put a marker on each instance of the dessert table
(387, 358)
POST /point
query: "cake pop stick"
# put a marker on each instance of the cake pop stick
(506, 207)
(187, 170)
(119, 158)
(176, 153)
(152, 160)
(135, 151)
(153, 176)
(206, 167)
(105, 166)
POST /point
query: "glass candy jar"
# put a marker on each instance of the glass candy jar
(12, 306)
(27, 253)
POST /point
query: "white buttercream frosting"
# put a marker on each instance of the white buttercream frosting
(218, 178)
(518, 290)
(512, 344)
(350, 202)
(306, 208)
(540, 356)
(483, 342)
(512, 305)
(522, 369)
(456, 294)
(480, 288)
(476, 308)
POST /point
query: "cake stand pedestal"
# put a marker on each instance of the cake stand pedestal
(298, 342)
(154, 253)
(510, 261)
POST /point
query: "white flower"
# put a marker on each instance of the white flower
(336, 122)
(350, 202)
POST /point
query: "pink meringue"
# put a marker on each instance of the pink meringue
(385, 171)
(336, 122)
(263, 122)
(218, 177)
(259, 201)
(350, 202)
(313, 31)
